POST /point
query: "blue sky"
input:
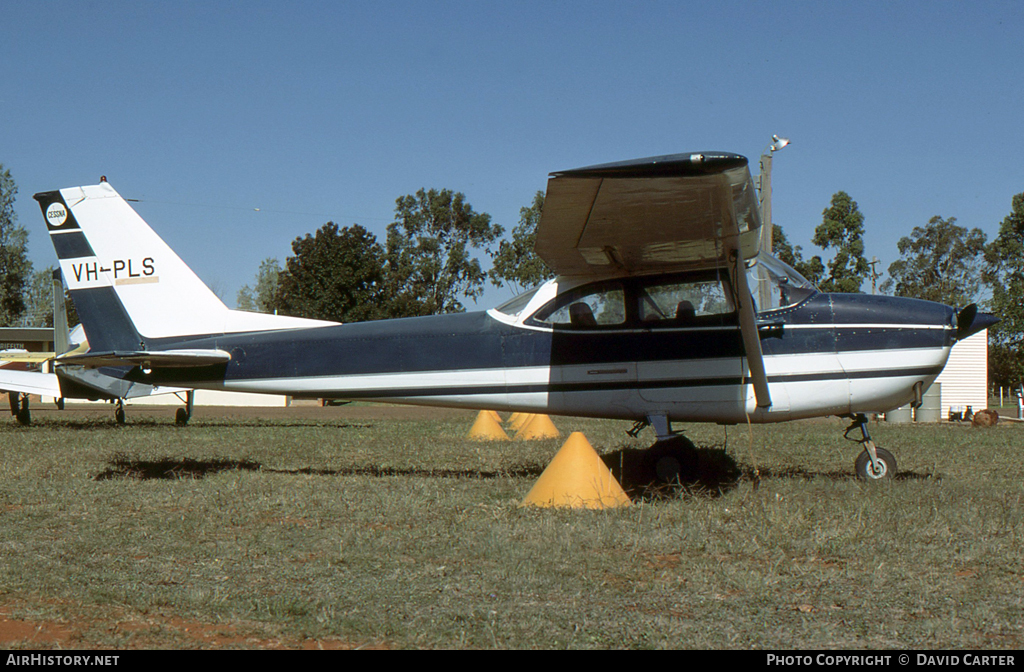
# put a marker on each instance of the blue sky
(317, 111)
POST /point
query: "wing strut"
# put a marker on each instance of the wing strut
(748, 330)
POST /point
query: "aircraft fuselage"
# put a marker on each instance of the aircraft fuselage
(829, 354)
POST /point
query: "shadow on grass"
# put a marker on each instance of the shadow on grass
(672, 469)
(678, 468)
(182, 468)
(803, 474)
(665, 472)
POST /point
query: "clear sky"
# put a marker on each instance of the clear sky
(316, 111)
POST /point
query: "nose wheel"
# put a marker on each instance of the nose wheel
(874, 463)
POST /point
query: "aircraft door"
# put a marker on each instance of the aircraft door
(690, 361)
(590, 359)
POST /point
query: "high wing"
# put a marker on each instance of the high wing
(658, 215)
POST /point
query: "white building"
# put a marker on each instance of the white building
(965, 378)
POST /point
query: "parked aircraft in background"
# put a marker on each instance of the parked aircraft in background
(70, 381)
(651, 318)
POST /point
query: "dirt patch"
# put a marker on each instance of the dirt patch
(153, 632)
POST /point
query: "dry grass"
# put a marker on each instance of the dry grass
(346, 528)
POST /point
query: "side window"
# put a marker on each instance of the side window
(683, 302)
(585, 309)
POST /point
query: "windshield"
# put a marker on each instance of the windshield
(515, 305)
(776, 284)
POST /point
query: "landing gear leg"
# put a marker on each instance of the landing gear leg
(19, 407)
(119, 416)
(182, 416)
(874, 464)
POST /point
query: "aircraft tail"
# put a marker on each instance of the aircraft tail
(126, 283)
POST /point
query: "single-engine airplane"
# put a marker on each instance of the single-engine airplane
(70, 381)
(651, 317)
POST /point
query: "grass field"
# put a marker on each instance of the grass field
(357, 527)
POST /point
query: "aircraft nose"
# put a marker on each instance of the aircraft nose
(969, 321)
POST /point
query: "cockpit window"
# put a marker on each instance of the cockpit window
(586, 308)
(515, 305)
(775, 284)
(683, 301)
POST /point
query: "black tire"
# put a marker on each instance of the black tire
(24, 417)
(119, 416)
(865, 470)
(181, 417)
(671, 461)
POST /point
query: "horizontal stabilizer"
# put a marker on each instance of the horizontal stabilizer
(149, 360)
(29, 382)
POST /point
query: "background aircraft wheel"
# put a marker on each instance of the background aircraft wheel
(181, 417)
(60, 404)
(866, 471)
(119, 416)
(24, 417)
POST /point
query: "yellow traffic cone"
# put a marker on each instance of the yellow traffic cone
(577, 478)
(486, 428)
(538, 427)
(494, 414)
(516, 422)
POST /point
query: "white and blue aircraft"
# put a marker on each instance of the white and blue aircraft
(663, 310)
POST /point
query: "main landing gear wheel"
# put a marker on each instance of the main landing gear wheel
(670, 460)
(119, 415)
(183, 415)
(884, 468)
(19, 407)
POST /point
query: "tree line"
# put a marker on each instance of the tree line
(26, 294)
(429, 262)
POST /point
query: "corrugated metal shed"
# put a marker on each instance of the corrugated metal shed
(965, 378)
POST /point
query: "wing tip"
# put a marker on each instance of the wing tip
(668, 165)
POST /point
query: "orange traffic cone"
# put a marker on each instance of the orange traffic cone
(538, 427)
(517, 420)
(577, 478)
(486, 428)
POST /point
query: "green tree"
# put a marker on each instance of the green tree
(39, 299)
(336, 274)
(812, 268)
(938, 262)
(430, 267)
(515, 261)
(262, 296)
(1004, 275)
(842, 229)
(14, 264)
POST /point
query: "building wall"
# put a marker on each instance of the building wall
(965, 378)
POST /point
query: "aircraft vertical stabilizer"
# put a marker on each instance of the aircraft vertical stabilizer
(128, 285)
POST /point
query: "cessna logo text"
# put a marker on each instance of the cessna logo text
(56, 214)
(121, 268)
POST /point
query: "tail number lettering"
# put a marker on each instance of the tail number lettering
(123, 268)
